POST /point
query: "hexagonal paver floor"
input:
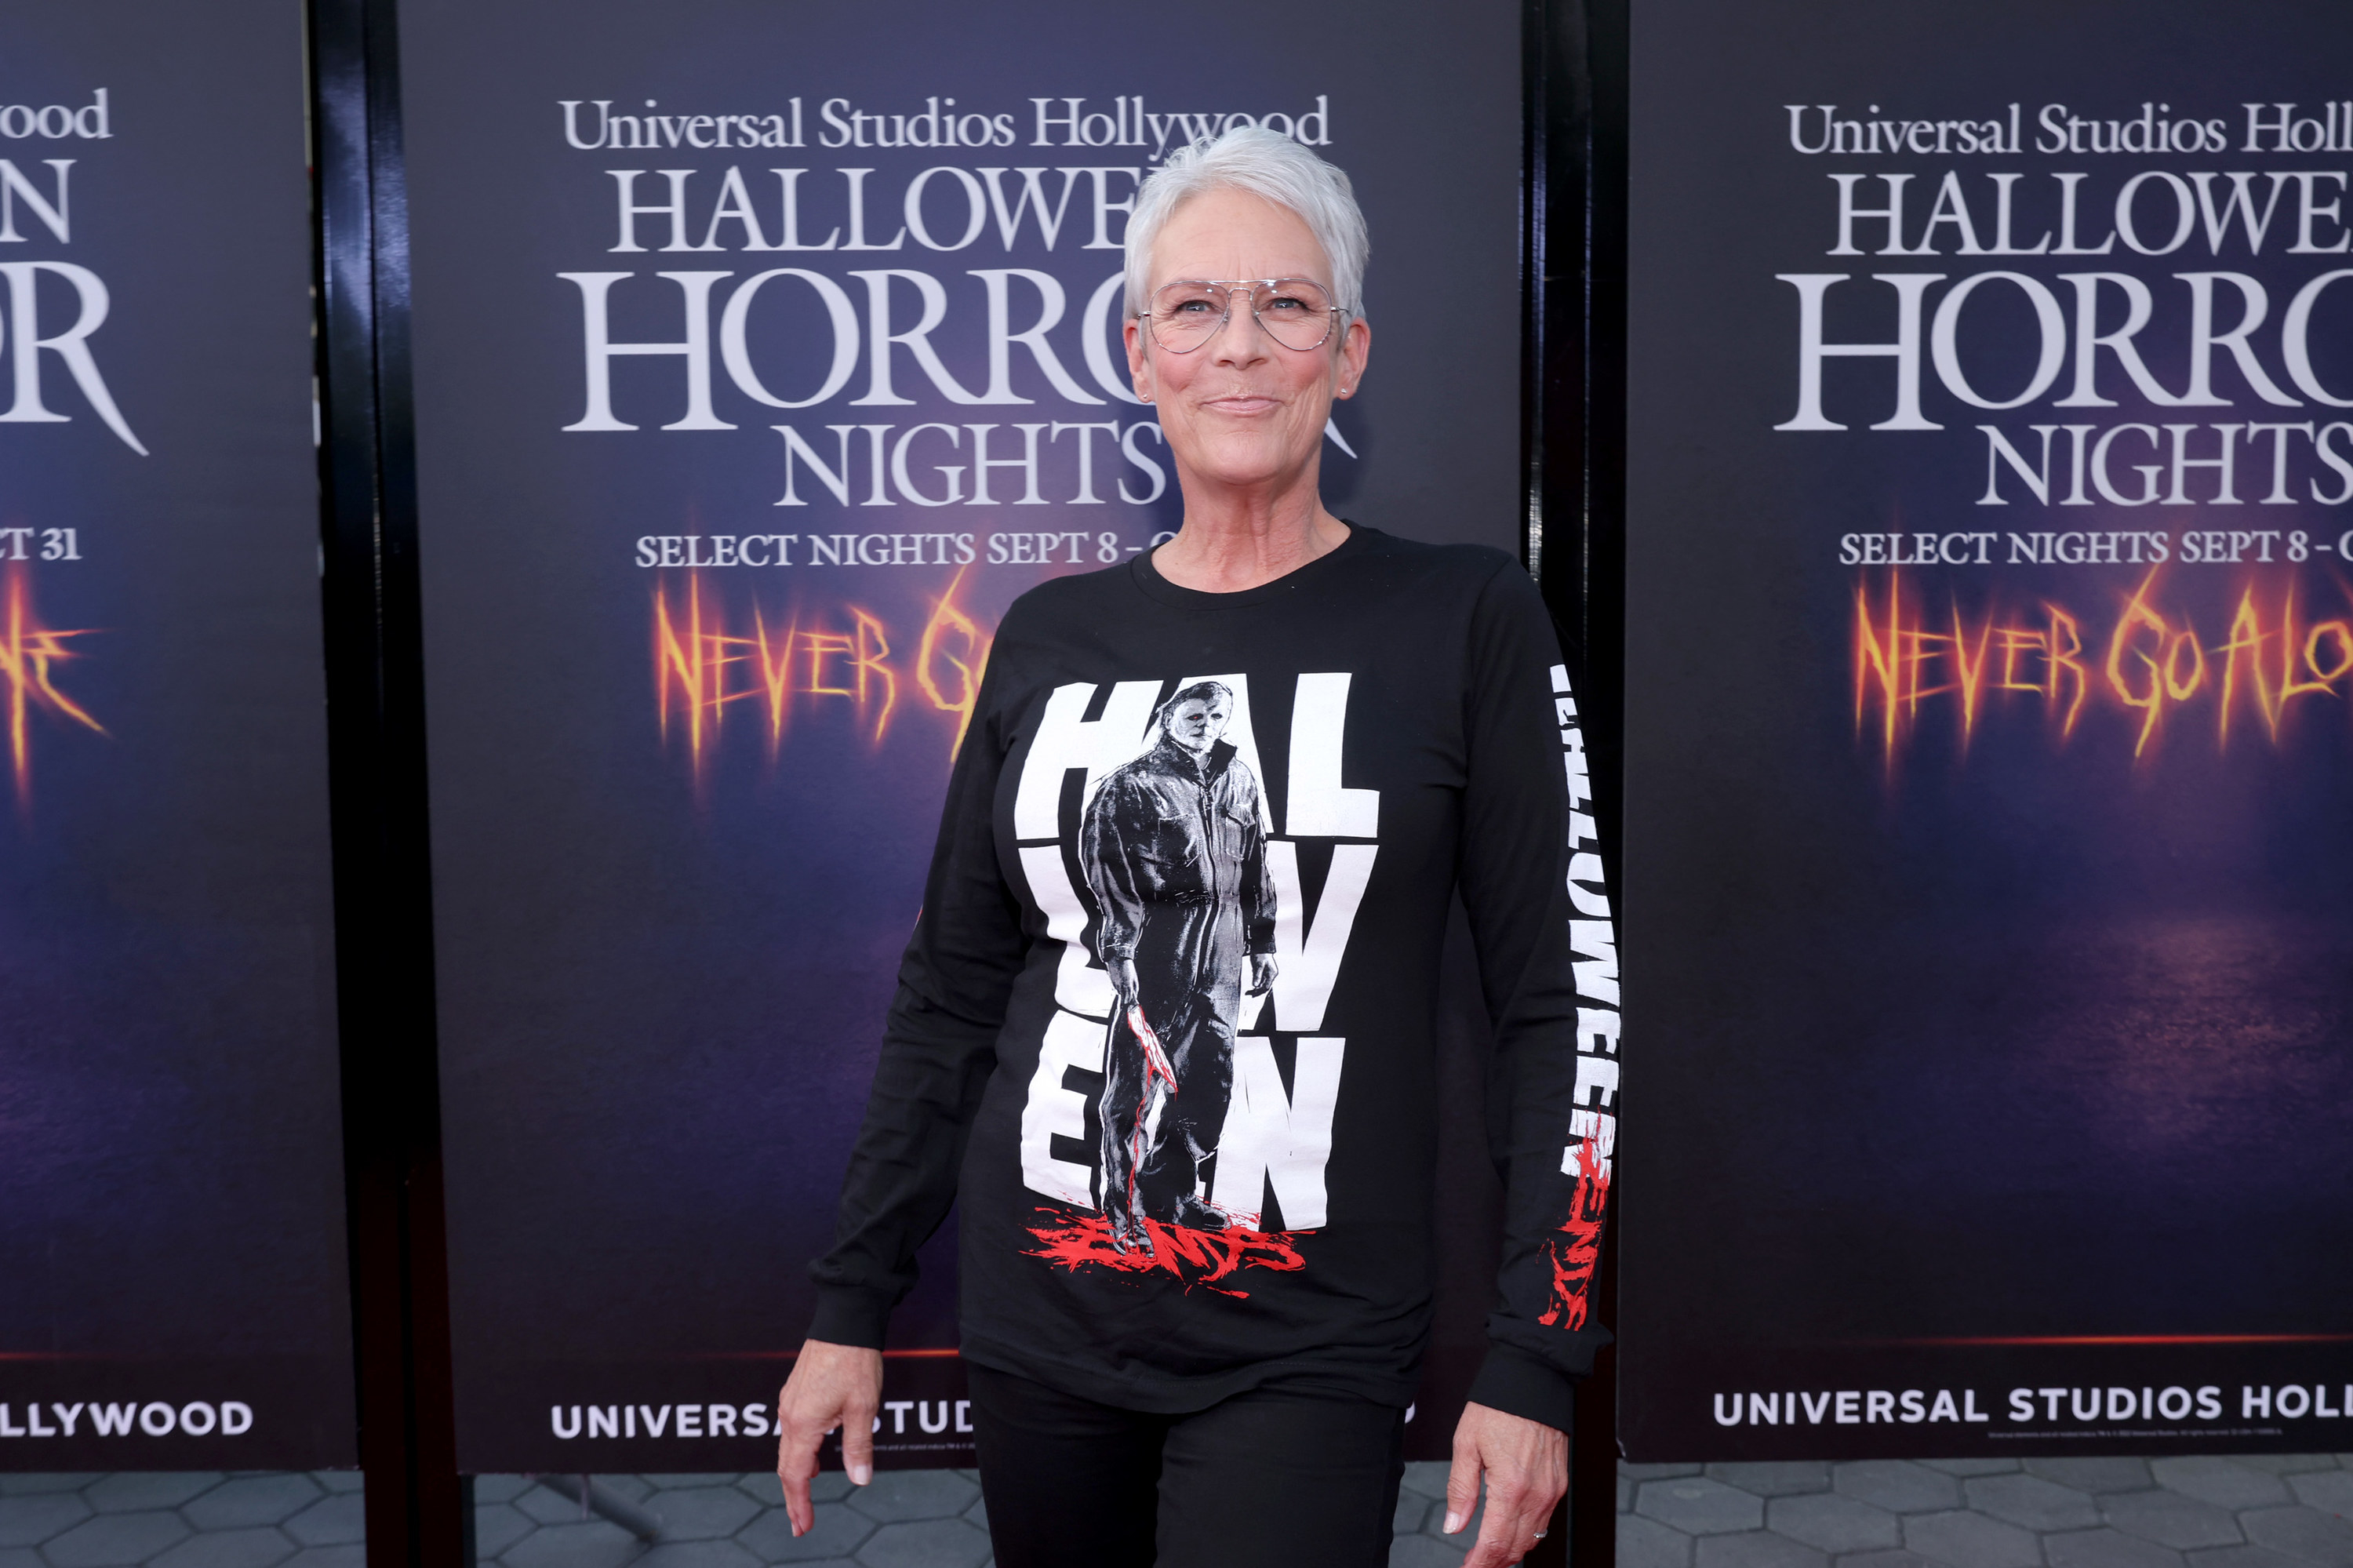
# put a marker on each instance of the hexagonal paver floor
(2267, 1510)
(144, 1518)
(905, 1519)
(2256, 1511)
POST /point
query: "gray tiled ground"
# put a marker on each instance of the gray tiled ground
(274, 1518)
(906, 1519)
(2259, 1511)
(2270, 1510)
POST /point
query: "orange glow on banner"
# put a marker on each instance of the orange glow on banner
(2152, 661)
(29, 652)
(707, 662)
(950, 626)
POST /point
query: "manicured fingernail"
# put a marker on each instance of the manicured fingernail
(860, 1473)
(1454, 1521)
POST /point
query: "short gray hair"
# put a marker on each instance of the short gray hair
(1266, 163)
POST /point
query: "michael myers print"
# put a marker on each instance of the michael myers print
(1180, 1118)
(1175, 857)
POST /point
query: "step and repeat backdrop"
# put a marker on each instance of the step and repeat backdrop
(762, 355)
(1990, 683)
(1989, 749)
(172, 1261)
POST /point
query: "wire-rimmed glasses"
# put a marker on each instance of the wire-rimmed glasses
(1297, 313)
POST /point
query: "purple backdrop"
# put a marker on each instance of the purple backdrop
(697, 659)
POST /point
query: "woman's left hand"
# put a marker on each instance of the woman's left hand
(1525, 1466)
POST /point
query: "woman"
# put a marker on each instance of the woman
(1165, 1024)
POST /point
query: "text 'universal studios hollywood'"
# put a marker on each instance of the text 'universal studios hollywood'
(2103, 268)
(2044, 1409)
(868, 316)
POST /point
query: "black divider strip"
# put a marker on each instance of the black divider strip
(384, 917)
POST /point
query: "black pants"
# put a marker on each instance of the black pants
(1271, 1478)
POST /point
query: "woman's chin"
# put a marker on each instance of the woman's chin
(1241, 464)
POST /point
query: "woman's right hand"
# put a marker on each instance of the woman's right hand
(831, 1385)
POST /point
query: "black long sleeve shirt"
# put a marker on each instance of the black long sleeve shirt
(1307, 769)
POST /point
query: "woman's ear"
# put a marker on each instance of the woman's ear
(1356, 348)
(1139, 363)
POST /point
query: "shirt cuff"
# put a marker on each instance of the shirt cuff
(847, 1315)
(1518, 1383)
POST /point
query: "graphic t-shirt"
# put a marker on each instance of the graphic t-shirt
(1166, 1026)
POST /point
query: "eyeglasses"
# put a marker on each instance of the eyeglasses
(1295, 312)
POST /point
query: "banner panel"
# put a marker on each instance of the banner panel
(1989, 757)
(763, 354)
(172, 1261)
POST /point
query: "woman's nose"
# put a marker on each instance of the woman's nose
(1240, 336)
